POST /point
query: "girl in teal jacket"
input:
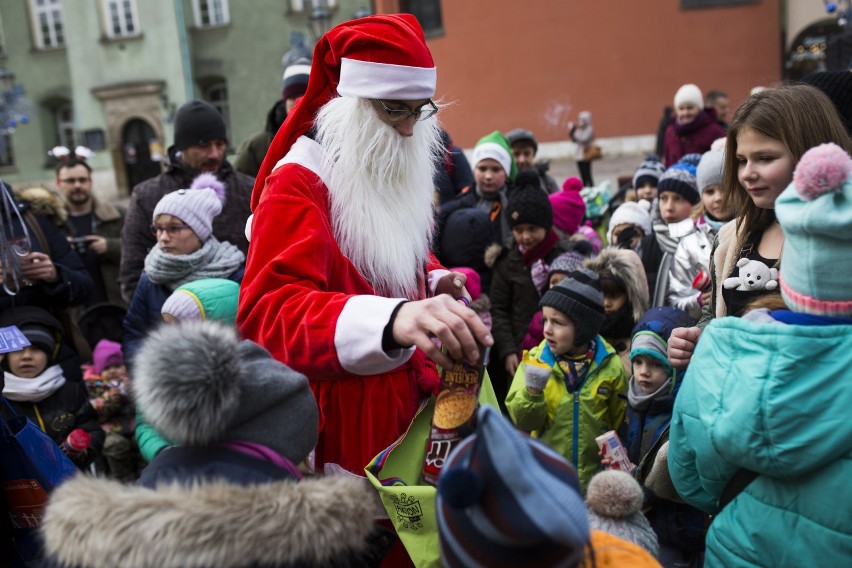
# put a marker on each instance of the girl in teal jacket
(766, 397)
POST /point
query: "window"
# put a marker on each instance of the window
(217, 95)
(7, 155)
(47, 23)
(120, 18)
(427, 12)
(63, 117)
(299, 6)
(210, 13)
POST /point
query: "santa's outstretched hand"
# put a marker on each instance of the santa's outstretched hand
(456, 326)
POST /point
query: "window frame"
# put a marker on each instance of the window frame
(123, 33)
(52, 11)
(66, 135)
(196, 10)
(421, 8)
(7, 150)
(222, 105)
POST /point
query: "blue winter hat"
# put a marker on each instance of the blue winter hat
(505, 499)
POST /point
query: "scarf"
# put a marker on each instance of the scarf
(618, 325)
(264, 453)
(214, 259)
(35, 389)
(493, 204)
(534, 259)
(714, 223)
(640, 401)
(668, 245)
(575, 367)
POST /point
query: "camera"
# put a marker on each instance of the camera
(80, 245)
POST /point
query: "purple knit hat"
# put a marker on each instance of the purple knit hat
(106, 353)
(196, 206)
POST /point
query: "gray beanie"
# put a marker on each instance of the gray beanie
(580, 298)
(199, 385)
(711, 169)
(520, 134)
(615, 502)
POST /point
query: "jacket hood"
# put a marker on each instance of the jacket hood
(44, 202)
(316, 522)
(626, 266)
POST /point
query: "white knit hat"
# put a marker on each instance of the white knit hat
(632, 213)
(690, 94)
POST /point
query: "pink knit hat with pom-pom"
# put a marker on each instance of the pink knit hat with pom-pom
(568, 206)
(815, 212)
(474, 282)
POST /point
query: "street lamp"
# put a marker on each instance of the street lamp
(320, 19)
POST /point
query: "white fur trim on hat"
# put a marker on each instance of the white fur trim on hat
(632, 213)
(493, 151)
(372, 80)
(691, 94)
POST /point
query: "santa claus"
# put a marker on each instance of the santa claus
(339, 283)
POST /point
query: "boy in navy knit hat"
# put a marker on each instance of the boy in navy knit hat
(569, 389)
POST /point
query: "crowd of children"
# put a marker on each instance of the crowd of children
(587, 340)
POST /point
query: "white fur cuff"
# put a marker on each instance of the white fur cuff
(358, 336)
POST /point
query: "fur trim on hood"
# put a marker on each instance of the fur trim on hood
(626, 266)
(492, 253)
(317, 522)
(44, 202)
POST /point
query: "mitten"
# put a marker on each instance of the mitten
(536, 373)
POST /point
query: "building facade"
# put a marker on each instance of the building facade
(110, 74)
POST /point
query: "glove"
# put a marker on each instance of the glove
(536, 374)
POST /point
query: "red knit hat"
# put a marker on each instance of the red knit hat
(378, 57)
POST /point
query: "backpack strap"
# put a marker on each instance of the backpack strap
(735, 486)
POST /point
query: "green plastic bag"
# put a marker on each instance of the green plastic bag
(410, 504)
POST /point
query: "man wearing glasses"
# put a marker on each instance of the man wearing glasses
(94, 228)
(340, 283)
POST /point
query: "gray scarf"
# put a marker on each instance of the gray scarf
(215, 259)
(668, 245)
(640, 401)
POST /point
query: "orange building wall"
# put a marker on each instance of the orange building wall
(537, 63)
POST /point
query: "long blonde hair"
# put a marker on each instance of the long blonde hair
(800, 117)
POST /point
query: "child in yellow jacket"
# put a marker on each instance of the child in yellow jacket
(572, 387)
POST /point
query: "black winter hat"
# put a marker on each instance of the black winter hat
(580, 297)
(198, 122)
(838, 86)
(38, 326)
(528, 203)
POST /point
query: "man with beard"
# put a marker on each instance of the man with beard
(95, 229)
(339, 281)
(200, 144)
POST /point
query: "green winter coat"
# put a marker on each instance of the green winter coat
(774, 399)
(570, 422)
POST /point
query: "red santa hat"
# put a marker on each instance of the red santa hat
(378, 57)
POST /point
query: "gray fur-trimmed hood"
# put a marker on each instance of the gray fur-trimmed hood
(316, 522)
(626, 265)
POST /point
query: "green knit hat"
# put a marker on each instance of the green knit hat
(208, 298)
(496, 147)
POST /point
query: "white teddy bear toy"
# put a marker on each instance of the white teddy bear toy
(753, 275)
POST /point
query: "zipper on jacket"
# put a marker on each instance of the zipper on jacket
(574, 452)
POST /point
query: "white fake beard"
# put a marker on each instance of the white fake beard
(382, 193)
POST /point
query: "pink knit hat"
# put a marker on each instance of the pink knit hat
(568, 206)
(106, 353)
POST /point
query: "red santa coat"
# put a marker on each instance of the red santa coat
(305, 302)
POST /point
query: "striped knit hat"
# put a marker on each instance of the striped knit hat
(681, 181)
(649, 170)
(580, 298)
(505, 499)
(815, 212)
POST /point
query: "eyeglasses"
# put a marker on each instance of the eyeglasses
(172, 230)
(72, 181)
(400, 114)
